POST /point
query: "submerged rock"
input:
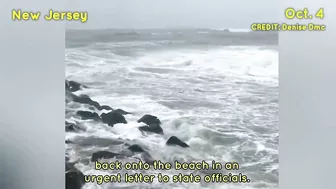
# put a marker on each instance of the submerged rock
(113, 118)
(105, 107)
(68, 142)
(88, 115)
(85, 99)
(123, 112)
(173, 140)
(152, 128)
(71, 127)
(147, 158)
(149, 120)
(73, 86)
(136, 148)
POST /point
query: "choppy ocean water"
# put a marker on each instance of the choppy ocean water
(215, 90)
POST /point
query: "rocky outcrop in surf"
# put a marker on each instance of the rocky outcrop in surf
(71, 127)
(85, 115)
(85, 99)
(111, 117)
(123, 112)
(149, 120)
(136, 148)
(74, 179)
(73, 86)
(174, 141)
(153, 124)
(152, 129)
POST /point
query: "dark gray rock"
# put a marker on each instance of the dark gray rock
(113, 118)
(85, 115)
(123, 112)
(152, 128)
(74, 179)
(73, 86)
(174, 141)
(71, 127)
(149, 120)
(136, 148)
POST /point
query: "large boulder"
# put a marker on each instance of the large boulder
(174, 141)
(74, 180)
(152, 128)
(113, 118)
(85, 115)
(149, 120)
(85, 99)
(73, 86)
